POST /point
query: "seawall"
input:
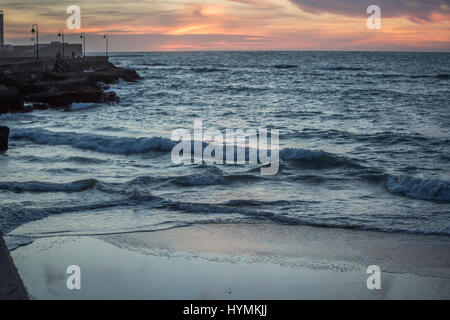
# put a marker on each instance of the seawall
(11, 285)
(25, 67)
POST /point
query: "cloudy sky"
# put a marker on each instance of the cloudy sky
(157, 25)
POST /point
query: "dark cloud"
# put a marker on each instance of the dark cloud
(415, 10)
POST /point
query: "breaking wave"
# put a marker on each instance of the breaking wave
(213, 177)
(418, 188)
(315, 158)
(100, 143)
(129, 145)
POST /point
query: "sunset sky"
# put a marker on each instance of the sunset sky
(152, 25)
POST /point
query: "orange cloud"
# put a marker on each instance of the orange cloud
(238, 24)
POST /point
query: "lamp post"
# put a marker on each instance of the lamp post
(107, 40)
(83, 36)
(33, 31)
(34, 47)
(2, 33)
(61, 34)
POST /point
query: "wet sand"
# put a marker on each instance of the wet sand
(254, 261)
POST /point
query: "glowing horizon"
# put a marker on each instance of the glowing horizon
(142, 25)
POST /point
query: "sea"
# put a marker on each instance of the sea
(364, 144)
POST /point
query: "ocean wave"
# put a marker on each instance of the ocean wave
(13, 216)
(438, 76)
(154, 64)
(128, 145)
(285, 66)
(419, 188)
(258, 203)
(100, 143)
(207, 70)
(315, 158)
(36, 186)
(405, 76)
(342, 68)
(225, 208)
(81, 106)
(85, 160)
(302, 154)
(382, 137)
(388, 93)
(237, 210)
(201, 180)
(212, 177)
(241, 88)
(304, 157)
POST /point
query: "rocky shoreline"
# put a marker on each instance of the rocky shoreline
(50, 89)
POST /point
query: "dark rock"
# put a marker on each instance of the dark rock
(112, 75)
(40, 106)
(60, 90)
(110, 97)
(26, 109)
(4, 136)
(11, 99)
(63, 97)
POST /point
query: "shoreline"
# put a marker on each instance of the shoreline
(231, 261)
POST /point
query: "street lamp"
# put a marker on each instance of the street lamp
(33, 31)
(107, 40)
(2, 33)
(83, 36)
(61, 34)
(34, 47)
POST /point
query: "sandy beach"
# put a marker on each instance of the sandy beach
(230, 261)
